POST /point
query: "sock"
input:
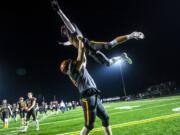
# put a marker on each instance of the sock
(37, 124)
(6, 123)
(26, 126)
(114, 43)
(129, 36)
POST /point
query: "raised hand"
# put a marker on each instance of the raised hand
(55, 5)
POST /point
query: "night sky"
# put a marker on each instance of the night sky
(30, 55)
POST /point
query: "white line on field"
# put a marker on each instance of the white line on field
(144, 108)
(15, 128)
(110, 113)
(131, 123)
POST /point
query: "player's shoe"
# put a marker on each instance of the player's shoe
(125, 57)
(136, 35)
(24, 130)
(55, 5)
(37, 128)
(5, 126)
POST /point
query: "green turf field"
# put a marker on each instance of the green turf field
(145, 117)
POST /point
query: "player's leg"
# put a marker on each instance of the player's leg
(23, 115)
(117, 41)
(102, 114)
(122, 57)
(15, 116)
(3, 118)
(6, 119)
(34, 115)
(107, 130)
(29, 113)
(122, 39)
(101, 58)
(89, 109)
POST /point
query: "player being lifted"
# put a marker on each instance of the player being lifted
(5, 112)
(31, 102)
(93, 48)
(90, 99)
(21, 105)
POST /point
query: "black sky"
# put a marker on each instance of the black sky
(29, 31)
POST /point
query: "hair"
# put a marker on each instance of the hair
(21, 98)
(64, 31)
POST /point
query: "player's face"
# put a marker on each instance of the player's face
(29, 95)
(21, 100)
(64, 66)
(4, 102)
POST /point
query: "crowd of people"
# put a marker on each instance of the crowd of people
(25, 108)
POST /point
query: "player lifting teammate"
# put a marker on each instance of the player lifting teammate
(89, 94)
(93, 48)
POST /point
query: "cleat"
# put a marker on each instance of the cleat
(137, 35)
(37, 129)
(125, 57)
(24, 130)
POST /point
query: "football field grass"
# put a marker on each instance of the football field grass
(158, 116)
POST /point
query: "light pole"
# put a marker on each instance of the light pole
(123, 83)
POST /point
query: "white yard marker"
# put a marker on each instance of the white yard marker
(176, 109)
(126, 107)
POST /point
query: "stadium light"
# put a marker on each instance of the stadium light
(119, 65)
(123, 82)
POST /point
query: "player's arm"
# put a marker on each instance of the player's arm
(17, 105)
(33, 105)
(81, 58)
(10, 110)
(64, 18)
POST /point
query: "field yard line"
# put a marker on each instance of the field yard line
(83, 118)
(17, 128)
(157, 99)
(136, 101)
(61, 121)
(128, 124)
(109, 113)
(145, 108)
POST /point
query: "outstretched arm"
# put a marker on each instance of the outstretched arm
(66, 21)
(81, 59)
